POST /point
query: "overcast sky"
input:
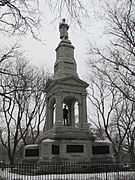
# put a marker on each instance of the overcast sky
(44, 54)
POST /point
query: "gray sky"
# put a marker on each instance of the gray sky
(44, 54)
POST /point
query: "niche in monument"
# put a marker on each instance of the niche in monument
(100, 150)
(70, 111)
(75, 148)
(66, 115)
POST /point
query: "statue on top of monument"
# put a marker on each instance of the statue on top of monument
(63, 28)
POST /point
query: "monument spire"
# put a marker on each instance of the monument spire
(65, 64)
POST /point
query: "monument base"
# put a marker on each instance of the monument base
(67, 150)
(67, 132)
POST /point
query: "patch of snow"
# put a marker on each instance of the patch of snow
(7, 175)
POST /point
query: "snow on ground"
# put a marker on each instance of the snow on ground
(7, 175)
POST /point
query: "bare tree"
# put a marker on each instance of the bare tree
(105, 100)
(19, 16)
(74, 10)
(115, 63)
(129, 124)
(119, 55)
(24, 109)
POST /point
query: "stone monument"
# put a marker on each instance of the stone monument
(66, 136)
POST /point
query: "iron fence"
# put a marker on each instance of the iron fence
(67, 171)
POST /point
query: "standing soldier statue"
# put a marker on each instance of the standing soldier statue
(63, 28)
(65, 115)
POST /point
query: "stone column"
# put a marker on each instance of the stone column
(84, 107)
(80, 114)
(49, 114)
(47, 126)
(84, 111)
(59, 111)
(71, 114)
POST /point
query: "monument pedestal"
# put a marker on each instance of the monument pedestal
(71, 144)
(68, 132)
(65, 151)
(66, 144)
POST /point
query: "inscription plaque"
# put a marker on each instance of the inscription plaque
(100, 150)
(31, 152)
(75, 148)
(55, 149)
